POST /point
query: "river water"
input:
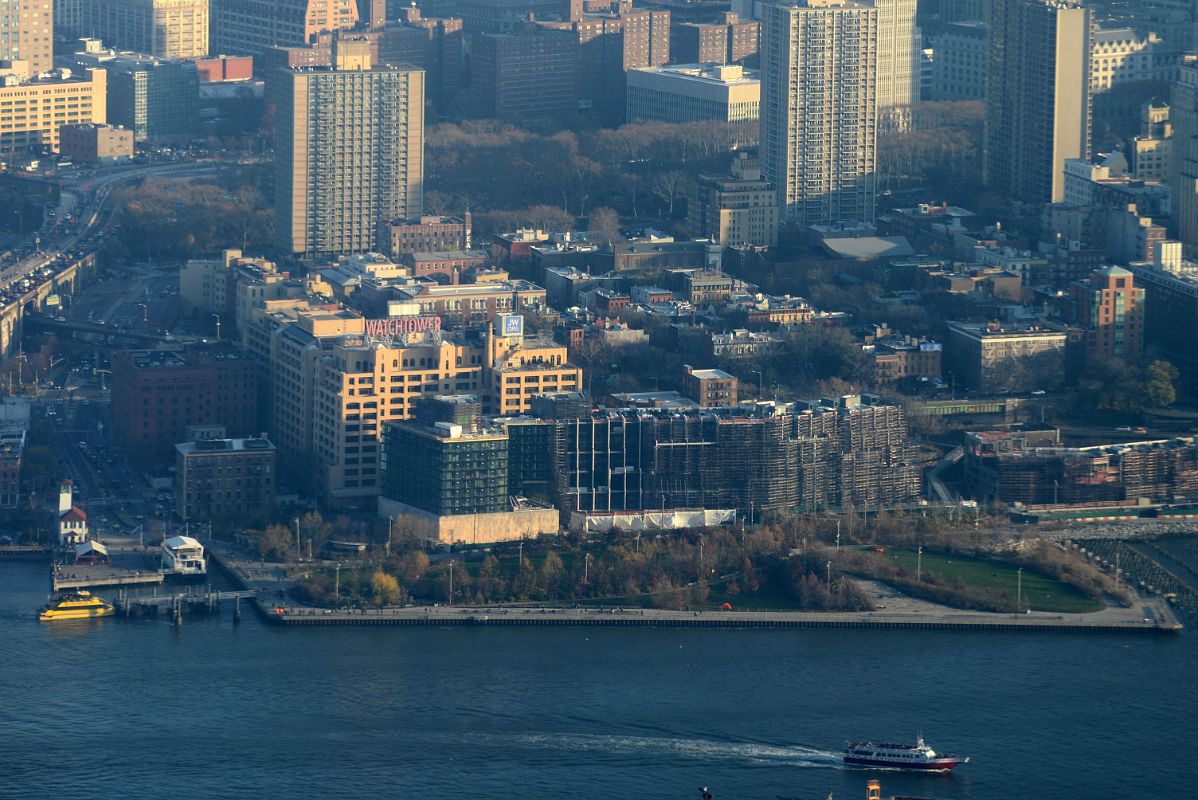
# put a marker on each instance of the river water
(135, 709)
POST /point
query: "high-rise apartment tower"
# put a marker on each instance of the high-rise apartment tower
(899, 45)
(26, 33)
(349, 152)
(819, 109)
(1037, 96)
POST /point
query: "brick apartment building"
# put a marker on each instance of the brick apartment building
(157, 394)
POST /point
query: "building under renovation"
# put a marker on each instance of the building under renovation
(1004, 467)
(849, 452)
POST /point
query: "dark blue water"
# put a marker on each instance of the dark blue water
(118, 709)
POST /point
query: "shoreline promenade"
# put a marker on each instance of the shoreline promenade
(1148, 615)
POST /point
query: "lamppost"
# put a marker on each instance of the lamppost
(297, 539)
(1018, 588)
(217, 317)
(760, 381)
(918, 563)
(586, 568)
(450, 600)
(337, 582)
(145, 313)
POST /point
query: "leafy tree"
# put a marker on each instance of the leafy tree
(384, 589)
(276, 543)
(1159, 385)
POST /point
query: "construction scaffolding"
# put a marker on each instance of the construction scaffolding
(1004, 470)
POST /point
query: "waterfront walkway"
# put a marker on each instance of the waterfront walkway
(897, 611)
(1160, 619)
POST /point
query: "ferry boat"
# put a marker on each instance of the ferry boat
(882, 755)
(184, 556)
(75, 605)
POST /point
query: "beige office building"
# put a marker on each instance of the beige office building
(740, 208)
(33, 112)
(349, 152)
(696, 93)
(363, 384)
(27, 34)
(820, 108)
(162, 28)
(1037, 97)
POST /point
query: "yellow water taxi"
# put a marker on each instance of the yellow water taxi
(75, 605)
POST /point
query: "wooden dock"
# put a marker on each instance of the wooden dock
(25, 551)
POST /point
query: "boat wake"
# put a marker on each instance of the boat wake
(754, 753)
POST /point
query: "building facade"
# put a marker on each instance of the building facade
(330, 197)
(734, 209)
(899, 46)
(427, 234)
(157, 394)
(27, 34)
(1110, 307)
(730, 41)
(232, 479)
(819, 109)
(992, 358)
(248, 27)
(695, 93)
(1037, 96)
(1152, 150)
(161, 28)
(362, 385)
(32, 112)
(1121, 56)
(960, 62)
(88, 143)
(1183, 112)
(526, 74)
(155, 98)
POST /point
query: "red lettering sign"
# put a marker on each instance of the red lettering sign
(401, 326)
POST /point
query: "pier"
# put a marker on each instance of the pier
(176, 605)
(95, 576)
(1161, 620)
(266, 586)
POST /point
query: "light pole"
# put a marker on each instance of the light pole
(760, 381)
(700, 556)
(838, 536)
(145, 313)
(217, 317)
(337, 582)
(297, 539)
(829, 575)
(390, 520)
(586, 568)
(1018, 588)
(450, 600)
(1056, 486)
(918, 563)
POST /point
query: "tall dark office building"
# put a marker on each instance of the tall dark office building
(1037, 96)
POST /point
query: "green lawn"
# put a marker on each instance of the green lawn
(1040, 592)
